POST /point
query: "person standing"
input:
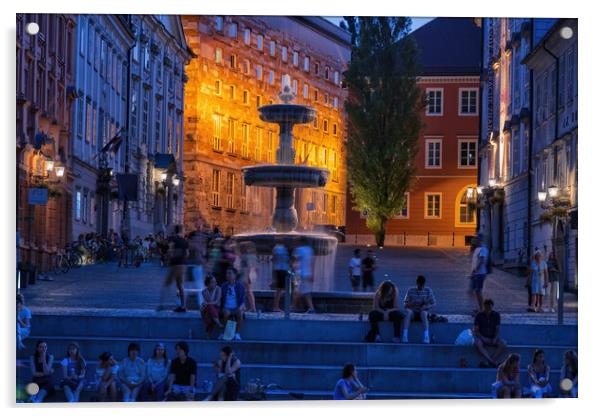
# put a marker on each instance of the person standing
(368, 268)
(179, 253)
(480, 257)
(197, 259)
(538, 280)
(304, 265)
(355, 270)
(553, 273)
(280, 269)
(418, 302)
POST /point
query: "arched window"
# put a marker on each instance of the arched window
(466, 207)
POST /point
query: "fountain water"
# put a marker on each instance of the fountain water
(285, 176)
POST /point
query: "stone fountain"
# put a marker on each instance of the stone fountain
(286, 176)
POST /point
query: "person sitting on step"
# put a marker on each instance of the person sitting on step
(182, 374)
(74, 372)
(569, 372)
(507, 384)
(233, 300)
(487, 334)
(386, 308)
(212, 299)
(539, 376)
(42, 369)
(418, 302)
(132, 373)
(107, 376)
(349, 387)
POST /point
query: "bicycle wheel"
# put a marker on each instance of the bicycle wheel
(64, 264)
(75, 259)
(55, 268)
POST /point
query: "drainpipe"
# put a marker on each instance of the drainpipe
(125, 221)
(530, 157)
(481, 68)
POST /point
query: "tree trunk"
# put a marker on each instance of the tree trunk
(379, 232)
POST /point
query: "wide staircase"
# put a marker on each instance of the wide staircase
(304, 355)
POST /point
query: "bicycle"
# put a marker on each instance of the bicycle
(60, 262)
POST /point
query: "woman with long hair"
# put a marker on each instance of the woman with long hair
(41, 369)
(385, 308)
(211, 296)
(107, 376)
(74, 373)
(227, 386)
(539, 281)
(157, 370)
(349, 387)
(507, 383)
(569, 372)
(539, 375)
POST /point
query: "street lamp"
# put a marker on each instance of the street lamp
(49, 165)
(566, 32)
(59, 171)
(163, 176)
(492, 182)
(553, 191)
(470, 193)
(176, 181)
(541, 196)
(479, 190)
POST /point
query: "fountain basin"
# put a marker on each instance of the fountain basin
(322, 244)
(293, 176)
(287, 113)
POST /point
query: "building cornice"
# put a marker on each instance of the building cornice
(448, 79)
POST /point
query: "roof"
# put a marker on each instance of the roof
(553, 30)
(449, 46)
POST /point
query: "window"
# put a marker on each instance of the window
(434, 101)
(231, 135)
(326, 73)
(295, 86)
(243, 194)
(306, 64)
(404, 212)
(230, 190)
(336, 77)
(432, 205)
(324, 202)
(217, 132)
(80, 119)
(146, 58)
(82, 37)
(233, 30)
(215, 188)
(325, 157)
(433, 153)
(272, 48)
(284, 54)
(271, 77)
(246, 66)
(258, 142)
(91, 45)
(158, 124)
(335, 168)
(305, 91)
(296, 58)
(468, 101)
(259, 72)
(316, 68)
(316, 95)
(218, 55)
(570, 75)
(270, 146)
(515, 154)
(335, 102)
(326, 99)
(78, 205)
(260, 42)
(465, 207)
(245, 140)
(334, 129)
(245, 97)
(232, 92)
(247, 36)
(218, 87)
(561, 78)
(219, 23)
(467, 150)
(258, 100)
(233, 61)
(325, 126)
(88, 121)
(145, 107)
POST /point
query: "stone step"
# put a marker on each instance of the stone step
(407, 380)
(169, 325)
(312, 353)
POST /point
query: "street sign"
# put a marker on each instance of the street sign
(38, 196)
(311, 206)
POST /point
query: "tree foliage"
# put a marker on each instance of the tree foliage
(383, 114)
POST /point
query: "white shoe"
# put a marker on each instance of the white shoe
(426, 340)
(237, 337)
(404, 339)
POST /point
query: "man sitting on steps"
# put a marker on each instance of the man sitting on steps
(487, 333)
(418, 302)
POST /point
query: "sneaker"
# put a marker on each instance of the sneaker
(426, 340)
(237, 337)
(180, 309)
(378, 339)
(396, 340)
(405, 339)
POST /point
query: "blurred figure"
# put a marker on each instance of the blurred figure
(355, 270)
(553, 273)
(107, 373)
(198, 260)
(303, 261)
(280, 269)
(74, 373)
(248, 271)
(480, 258)
(23, 321)
(569, 372)
(179, 253)
(368, 268)
(42, 369)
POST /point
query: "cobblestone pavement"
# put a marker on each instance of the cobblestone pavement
(106, 286)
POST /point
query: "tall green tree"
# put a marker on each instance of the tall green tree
(383, 115)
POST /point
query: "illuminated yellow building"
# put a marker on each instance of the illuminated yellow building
(238, 67)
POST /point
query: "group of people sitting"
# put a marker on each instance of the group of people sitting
(157, 379)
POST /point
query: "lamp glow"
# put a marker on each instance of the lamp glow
(59, 171)
(163, 176)
(479, 190)
(32, 28)
(176, 181)
(541, 196)
(566, 32)
(49, 165)
(553, 191)
(470, 193)
(492, 182)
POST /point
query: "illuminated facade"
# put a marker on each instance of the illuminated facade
(439, 208)
(239, 65)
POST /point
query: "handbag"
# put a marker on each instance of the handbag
(465, 338)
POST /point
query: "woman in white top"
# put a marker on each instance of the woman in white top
(539, 281)
(157, 369)
(74, 372)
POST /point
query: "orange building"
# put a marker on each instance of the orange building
(439, 208)
(239, 65)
